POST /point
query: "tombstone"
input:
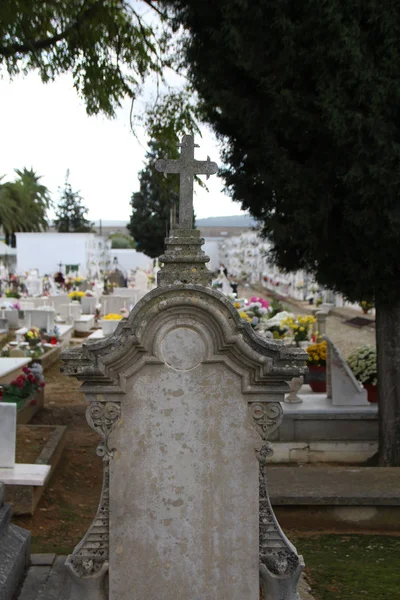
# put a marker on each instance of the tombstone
(70, 312)
(8, 428)
(34, 283)
(113, 304)
(141, 282)
(341, 384)
(12, 316)
(132, 293)
(4, 326)
(43, 318)
(88, 304)
(184, 396)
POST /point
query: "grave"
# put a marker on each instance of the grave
(88, 304)
(11, 314)
(141, 282)
(184, 396)
(34, 283)
(113, 304)
(43, 318)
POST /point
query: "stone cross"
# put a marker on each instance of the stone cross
(187, 167)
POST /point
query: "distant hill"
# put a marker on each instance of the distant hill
(229, 221)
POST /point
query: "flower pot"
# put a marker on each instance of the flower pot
(304, 344)
(372, 391)
(316, 378)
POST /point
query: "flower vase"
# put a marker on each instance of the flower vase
(372, 391)
(316, 378)
(304, 344)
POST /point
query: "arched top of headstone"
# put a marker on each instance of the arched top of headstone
(200, 318)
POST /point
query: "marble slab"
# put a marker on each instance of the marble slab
(8, 424)
(11, 367)
(23, 474)
(96, 335)
(84, 323)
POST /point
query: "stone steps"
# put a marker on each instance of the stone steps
(14, 551)
(46, 579)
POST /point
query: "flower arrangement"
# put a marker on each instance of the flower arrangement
(32, 336)
(21, 388)
(317, 354)
(76, 295)
(362, 361)
(366, 306)
(300, 326)
(112, 317)
(12, 294)
(243, 315)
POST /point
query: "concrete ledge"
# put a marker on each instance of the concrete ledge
(24, 496)
(334, 486)
(323, 452)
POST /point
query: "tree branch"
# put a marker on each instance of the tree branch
(32, 45)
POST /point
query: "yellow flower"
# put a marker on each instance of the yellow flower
(245, 316)
(112, 317)
(237, 304)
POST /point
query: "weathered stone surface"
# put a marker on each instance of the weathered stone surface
(14, 551)
(186, 393)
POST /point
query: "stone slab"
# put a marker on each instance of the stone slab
(42, 559)
(8, 424)
(23, 474)
(84, 323)
(25, 498)
(11, 367)
(191, 426)
(323, 451)
(360, 486)
(96, 335)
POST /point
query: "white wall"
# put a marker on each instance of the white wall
(131, 259)
(44, 251)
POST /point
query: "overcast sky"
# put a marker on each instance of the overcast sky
(45, 126)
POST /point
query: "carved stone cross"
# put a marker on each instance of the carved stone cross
(187, 167)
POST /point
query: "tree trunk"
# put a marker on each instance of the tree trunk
(388, 359)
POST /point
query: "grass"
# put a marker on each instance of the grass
(351, 567)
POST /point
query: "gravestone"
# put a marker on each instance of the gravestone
(342, 386)
(184, 396)
(34, 283)
(43, 318)
(8, 425)
(141, 282)
(88, 304)
(113, 304)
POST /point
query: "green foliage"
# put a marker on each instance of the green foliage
(23, 204)
(150, 219)
(70, 212)
(121, 240)
(106, 45)
(306, 97)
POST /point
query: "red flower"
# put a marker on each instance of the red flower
(26, 370)
(41, 384)
(53, 341)
(20, 384)
(33, 402)
(31, 378)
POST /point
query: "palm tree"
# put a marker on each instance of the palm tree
(23, 205)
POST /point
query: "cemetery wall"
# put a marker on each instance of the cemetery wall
(45, 250)
(131, 259)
